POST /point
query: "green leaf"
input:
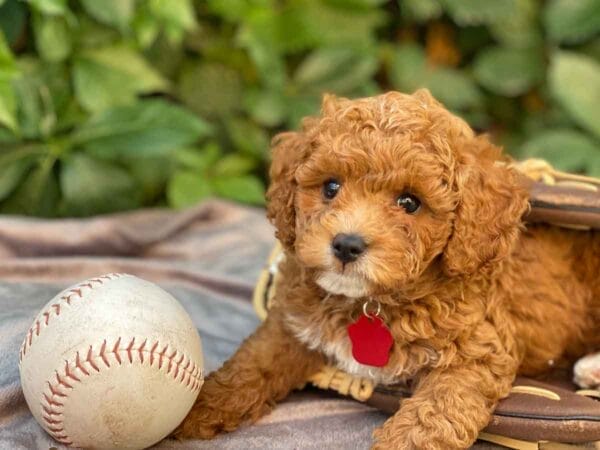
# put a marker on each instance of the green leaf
(421, 10)
(305, 24)
(356, 4)
(285, 30)
(8, 105)
(248, 138)
(508, 71)
(8, 71)
(572, 21)
(234, 164)
(575, 84)
(92, 186)
(338, 69)
(147, 128)
(111, 12)
(211, 90)
(198, 159)
(269, 64)
(13, 20)
(11, 175)
(521, 29)
(50, 7)
(177, 17)
(566, 149)
(233, 10)
(180, 12)
(408, 66)
(452, 87)
(187, 188)
(52, 37)
(328, 25)
(146, 27)
(113, 76)
(591, 49)
(479, 12)
(44, 98)
(94, 35)
(300, 106)
(7, 137)
(151, 176)
(38, 195)
(267, 107)
(409, 71)
(245, 189)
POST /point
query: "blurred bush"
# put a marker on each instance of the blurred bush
(116, 104)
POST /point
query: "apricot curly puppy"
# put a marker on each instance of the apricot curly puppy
(393, 199)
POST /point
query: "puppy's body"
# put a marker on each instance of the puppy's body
(543, 294)
(470, 295)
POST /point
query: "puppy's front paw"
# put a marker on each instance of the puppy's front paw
(386, 439)
(204, 422)
(405, 432)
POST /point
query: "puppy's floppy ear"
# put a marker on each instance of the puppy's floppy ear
(289, 150)
(492, 201)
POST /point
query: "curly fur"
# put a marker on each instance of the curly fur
(472, 296)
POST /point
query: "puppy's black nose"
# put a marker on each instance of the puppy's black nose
(348, 247)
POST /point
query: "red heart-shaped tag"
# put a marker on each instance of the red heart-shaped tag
(371, 341)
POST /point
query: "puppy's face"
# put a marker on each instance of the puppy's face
(374, 190)
(372, 209)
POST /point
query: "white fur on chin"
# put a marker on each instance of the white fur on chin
(339, 284)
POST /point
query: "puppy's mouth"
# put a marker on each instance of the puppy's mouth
(349, 285)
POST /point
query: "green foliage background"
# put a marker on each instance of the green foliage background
(115, 104)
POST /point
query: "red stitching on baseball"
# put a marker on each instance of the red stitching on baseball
(141, 351)
(129, 347)
(51, 401)
(69, 373)
(54, 419)
(170, 358)
(102, 355)
(161, 355)
(115, 350)
(177, 365)
(152, 353)
(55, 392)
(80, 366)
(91, 361)
(62, 382)
(50, 411)
(54, 309)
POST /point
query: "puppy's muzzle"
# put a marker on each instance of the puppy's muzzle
(348, 247)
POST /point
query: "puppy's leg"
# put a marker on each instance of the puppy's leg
(449, 407)
(267, 366)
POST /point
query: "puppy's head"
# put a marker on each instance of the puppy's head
(376, 190)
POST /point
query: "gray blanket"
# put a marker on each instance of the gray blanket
(209, 258)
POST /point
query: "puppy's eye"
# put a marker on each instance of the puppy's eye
(409, 202)
(330, 188)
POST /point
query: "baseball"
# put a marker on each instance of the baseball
(112, 362)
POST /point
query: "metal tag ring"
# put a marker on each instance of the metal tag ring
(366, 307)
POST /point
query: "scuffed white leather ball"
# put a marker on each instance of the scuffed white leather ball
(112, 362)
